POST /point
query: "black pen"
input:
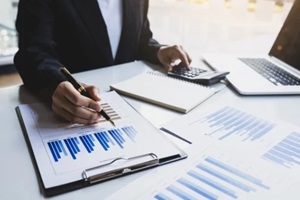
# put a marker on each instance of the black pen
(82, 91)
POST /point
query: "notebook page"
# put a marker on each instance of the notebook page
(165, 91)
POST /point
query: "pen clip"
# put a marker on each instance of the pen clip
(119, 166)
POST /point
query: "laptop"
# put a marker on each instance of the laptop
(277, 73)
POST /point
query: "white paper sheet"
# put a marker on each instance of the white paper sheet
(63, 151)
(212, 174)
(234, 154)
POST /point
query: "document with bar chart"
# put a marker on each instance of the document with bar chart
(233, 154)
(67, 153)
(235, 128)
(212, 174)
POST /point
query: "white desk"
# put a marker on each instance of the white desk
(19, 179)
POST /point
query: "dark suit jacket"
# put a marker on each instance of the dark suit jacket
(72, 33)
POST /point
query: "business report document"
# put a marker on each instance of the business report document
(212, 173)
(236, 128)
(70, 154)
(234, 154)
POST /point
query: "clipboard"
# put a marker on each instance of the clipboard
(127, 165)
(71, 156)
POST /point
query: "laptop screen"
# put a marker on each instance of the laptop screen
(287, 45)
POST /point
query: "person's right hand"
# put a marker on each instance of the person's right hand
(69, 104)
(168, 54)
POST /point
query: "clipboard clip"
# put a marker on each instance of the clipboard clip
(119, 166)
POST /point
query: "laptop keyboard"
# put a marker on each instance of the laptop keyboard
(270, 71)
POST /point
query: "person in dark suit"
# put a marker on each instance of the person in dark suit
(83, 35)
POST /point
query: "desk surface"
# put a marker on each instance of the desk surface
(19, 179)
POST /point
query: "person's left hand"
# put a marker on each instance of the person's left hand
(168, 54)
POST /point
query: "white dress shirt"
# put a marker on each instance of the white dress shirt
(112, 13)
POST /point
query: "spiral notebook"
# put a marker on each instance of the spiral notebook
(162, 90)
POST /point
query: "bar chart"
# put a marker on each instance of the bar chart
(212, 178)
(286, 152)
(113, 114)
(110, 112)
(102, 141)
(230, 122)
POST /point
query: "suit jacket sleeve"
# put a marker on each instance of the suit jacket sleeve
(36, 60)
(72, 33)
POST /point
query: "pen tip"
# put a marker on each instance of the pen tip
(112, 123)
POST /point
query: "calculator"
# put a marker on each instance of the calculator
(198, 75)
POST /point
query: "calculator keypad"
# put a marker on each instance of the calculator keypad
(193, 72)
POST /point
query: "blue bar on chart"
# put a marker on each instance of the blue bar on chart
(72, 146)
(236, 172)
(212, 183)
(197, 189)
(229, 121)
(130, 132)
(211, 178)
(56, 147)
(180, 193)
(89, 142)
(161, 196)
(226, 178)
(286, 152)
(112, 137)
(116, 136)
